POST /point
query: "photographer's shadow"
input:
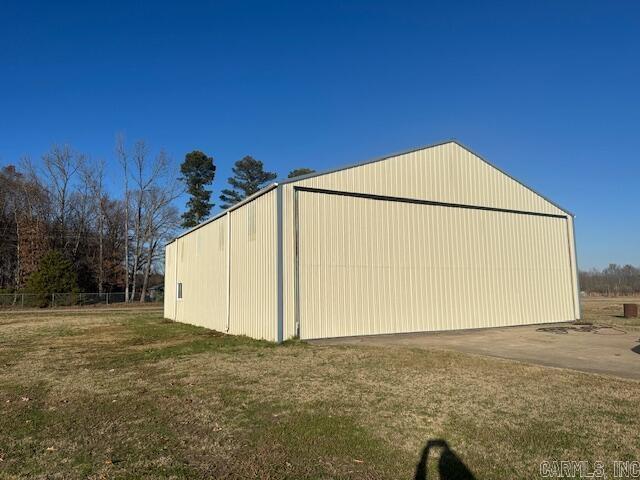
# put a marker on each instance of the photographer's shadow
(450, 467)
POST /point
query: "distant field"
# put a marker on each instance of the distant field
(608, 310)
(126, 394)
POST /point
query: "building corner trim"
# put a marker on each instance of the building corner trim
(228, 313)
(575, 266)
(279, 267)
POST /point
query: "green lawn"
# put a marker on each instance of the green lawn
(129, 395)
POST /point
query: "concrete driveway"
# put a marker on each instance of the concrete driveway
(596, 349)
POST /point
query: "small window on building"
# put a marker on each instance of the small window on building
(180, 290)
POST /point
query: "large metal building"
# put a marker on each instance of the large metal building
(435, 238)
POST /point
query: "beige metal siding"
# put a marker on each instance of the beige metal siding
(288, 248)
(202, 268)
(201, 257)
(253, 269)
(387, 267)
(170, 281)
(372, 267)
(574, 264)
(444, 173)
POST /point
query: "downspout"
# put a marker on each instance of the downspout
(228, 319)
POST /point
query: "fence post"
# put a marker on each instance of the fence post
(22, 301)
(53, 299)
(107, 298)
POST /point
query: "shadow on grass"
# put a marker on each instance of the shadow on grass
(450, 466)
(636, 349)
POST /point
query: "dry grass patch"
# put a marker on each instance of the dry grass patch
(608, 311)
(129, 395)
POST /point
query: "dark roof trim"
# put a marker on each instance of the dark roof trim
(418, 201)
(412, 150)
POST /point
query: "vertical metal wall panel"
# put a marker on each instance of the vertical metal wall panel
(288, 249)
(170, 281)
(181, 274)
(444, 173)
(201, 258)
(254, 269)
(201, 267)
(404, 261)
(574, 263)
(372, 267)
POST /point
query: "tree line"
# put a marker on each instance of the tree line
(63, 230)
(614, 280)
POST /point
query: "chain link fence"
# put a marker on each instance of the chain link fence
(37, 300)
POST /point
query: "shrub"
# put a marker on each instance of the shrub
(55, 274)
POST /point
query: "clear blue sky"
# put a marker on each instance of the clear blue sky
(547, 90)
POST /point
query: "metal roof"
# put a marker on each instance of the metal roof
(285, 181)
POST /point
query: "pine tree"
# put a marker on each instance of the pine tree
(248, 178)
(298, 172)
(197, 171)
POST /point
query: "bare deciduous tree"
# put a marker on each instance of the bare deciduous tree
(121, 153)
(61, 165)
(93, 176)
(148, 210)
(63, 204)
(161, 219)
(613, 280)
